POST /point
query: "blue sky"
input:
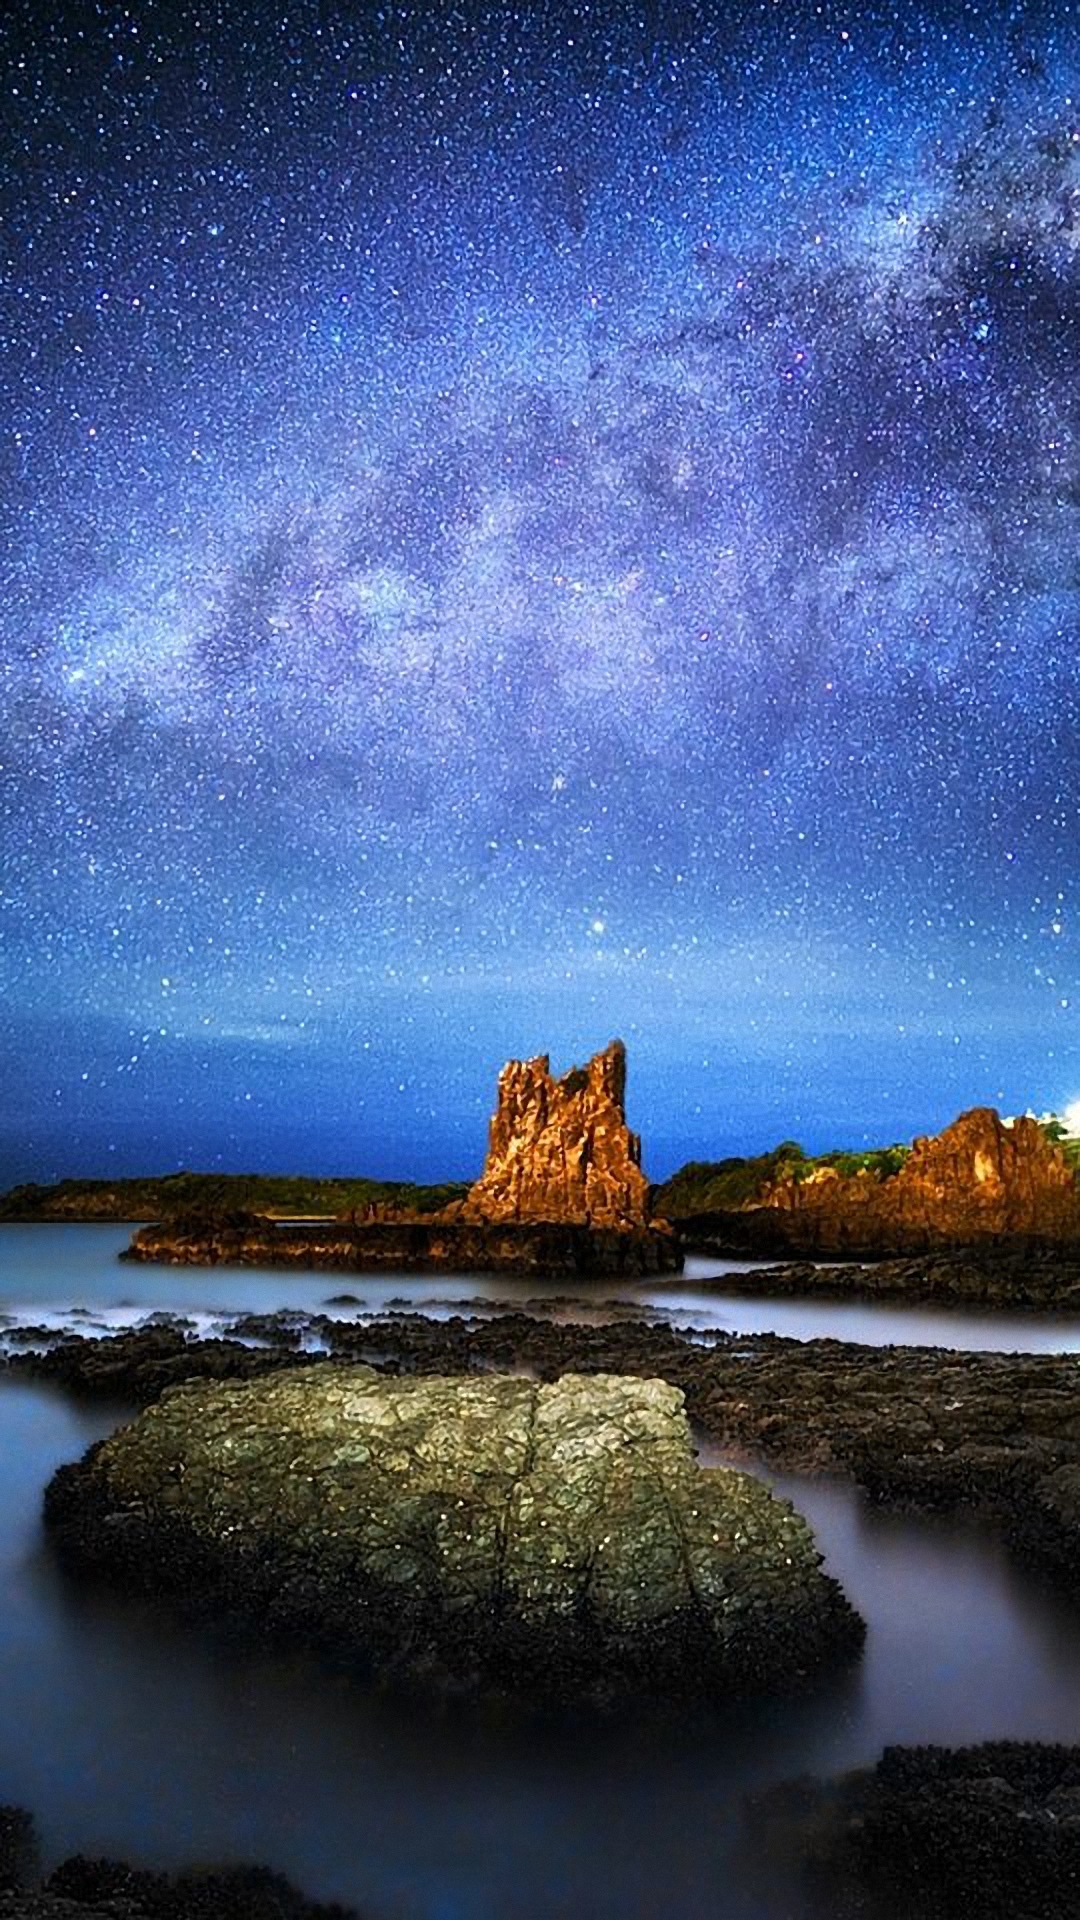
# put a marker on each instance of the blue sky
(526, 526)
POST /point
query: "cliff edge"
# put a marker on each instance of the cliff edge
(982, 1181)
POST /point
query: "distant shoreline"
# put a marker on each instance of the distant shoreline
(154, 1197)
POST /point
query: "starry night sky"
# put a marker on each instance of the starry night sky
(527, 525)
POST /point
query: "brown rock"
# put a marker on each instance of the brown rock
(560, 1150)
(979, 1180)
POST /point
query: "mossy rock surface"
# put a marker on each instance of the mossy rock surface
(473, 1533)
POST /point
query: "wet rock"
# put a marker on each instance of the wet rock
(222, 1893)
(134, 1367)
(1032, 1280)
(1045, 1525)
(18, 1849)
(283, 1328)
(84, 1889)
(432, 1245)
(553, 1542)
(984, 1832)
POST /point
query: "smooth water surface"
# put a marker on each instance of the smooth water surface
(70, 1276)
(131, 1735)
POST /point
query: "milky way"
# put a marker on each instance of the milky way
(522, 526)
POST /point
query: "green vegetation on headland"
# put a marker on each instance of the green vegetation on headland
(728, 1186)
(720, 1186)
(701, 1186)
(164, 1197)
(1059, 1136)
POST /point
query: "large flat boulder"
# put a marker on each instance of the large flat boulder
(469, 1533)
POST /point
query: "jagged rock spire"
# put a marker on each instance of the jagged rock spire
(561, 1149)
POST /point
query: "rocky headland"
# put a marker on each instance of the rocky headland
(983, 1183)
(561, 1193)
(555, 1543)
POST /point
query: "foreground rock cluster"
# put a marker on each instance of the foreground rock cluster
(82, 1889)
(486, 1534)
(992, 1434)
(989, 1832)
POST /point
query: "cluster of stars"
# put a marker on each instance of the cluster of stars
(528, 523)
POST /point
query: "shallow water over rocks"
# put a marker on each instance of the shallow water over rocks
(132, 1735)
(71, 1277)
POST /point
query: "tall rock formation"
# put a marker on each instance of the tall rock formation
(978, 1180)
(560, 1150)
(562, 1194)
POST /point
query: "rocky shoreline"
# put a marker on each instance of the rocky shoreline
(418, 1246)
(992, 1434)
(84, 1889)
(1029, 1278)
(989, 1832)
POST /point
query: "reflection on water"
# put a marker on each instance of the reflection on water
(132, 1735)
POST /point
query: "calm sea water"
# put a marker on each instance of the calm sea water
(70, 1276)
(130, 1735)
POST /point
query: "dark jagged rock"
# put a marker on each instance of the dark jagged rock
(440, 1246)
(213, 1893)
(18, 1850)
(84, 1889)
(980, 1183)
(1033, 1280)
(134, 1367)
(981, 1833)
(561, 1149)
(556, 1543)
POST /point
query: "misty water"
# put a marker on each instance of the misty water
(131, 1735)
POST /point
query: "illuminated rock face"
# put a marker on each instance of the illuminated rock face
(978, 1180)
(560, 1150)
(469, 1534)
